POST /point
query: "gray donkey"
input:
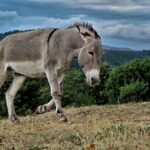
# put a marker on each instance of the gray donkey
(48, 52)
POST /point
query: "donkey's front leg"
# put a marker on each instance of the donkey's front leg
(51, 104)
(56, 93)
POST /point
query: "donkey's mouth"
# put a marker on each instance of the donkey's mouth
(92, 77)
(92, 82)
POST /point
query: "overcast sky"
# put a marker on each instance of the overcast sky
(120, 23)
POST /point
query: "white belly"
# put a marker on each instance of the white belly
(28, 68)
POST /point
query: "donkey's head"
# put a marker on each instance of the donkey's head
(89, 60)
(89, 55)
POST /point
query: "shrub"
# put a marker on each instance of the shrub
(133, 92)
(137, 70)
(98, 92)
(76, 91)
(33, 93)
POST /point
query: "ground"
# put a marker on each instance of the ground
(110, 127)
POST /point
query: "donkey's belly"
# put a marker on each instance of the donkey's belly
(30, 69)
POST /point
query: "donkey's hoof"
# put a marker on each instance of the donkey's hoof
(41, 109)
(62, 117)
(14, 119)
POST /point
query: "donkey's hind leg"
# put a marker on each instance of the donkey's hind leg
(10, 95)
(2, 74)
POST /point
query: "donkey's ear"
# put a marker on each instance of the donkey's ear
(86, 37)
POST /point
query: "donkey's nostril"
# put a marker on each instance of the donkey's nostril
(93, 80)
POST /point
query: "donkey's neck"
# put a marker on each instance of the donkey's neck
(72, 42)
(74, 38)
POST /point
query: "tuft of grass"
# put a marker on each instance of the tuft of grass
(110, 127)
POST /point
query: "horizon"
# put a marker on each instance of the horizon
(121, 24)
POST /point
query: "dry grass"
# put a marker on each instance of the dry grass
(122, 127)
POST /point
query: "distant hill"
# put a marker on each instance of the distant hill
(2, 35)
(113, 55)
(106, 47)
(116, 57)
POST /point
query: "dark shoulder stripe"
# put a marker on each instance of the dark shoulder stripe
(51, 35)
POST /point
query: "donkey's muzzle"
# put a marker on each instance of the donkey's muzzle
(92, 77)
(94, 80)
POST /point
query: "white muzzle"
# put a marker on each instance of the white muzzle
(92, 77)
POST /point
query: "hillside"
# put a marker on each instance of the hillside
(119, 57)
(115, 127)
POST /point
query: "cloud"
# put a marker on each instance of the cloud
(116, 9)
(86, 1)
(112, 29)
(34, 22)
(125, 10)
(102, 9)
(121, 30)
(8, 14)
(99, 2)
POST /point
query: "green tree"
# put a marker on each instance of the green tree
(137, 70)
(76, 91)
(135, 91)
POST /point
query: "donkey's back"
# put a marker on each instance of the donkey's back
(22, 53)
(25, 46)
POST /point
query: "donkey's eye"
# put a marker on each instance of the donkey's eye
(91, 53)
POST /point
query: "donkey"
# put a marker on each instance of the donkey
(48, 52)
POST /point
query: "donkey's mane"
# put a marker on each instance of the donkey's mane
(87, 26)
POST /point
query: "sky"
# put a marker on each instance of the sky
(120, 23)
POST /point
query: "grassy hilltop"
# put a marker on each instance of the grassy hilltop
(110, 127)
